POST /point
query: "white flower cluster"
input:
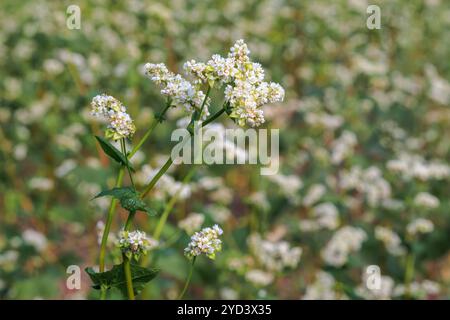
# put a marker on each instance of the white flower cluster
(370, 182)
(414, 166)
(192, 222)
(205, 241)
(114, 112)
(419, 225)
(274, 256)
(245, 90)
(426, 200)
(390, 239)
(315, 192)
(345, 241)
(419, 290)
(259, 278)
(343, 147)
(323, 288)
(135, 243)
(175, 87)
(326, 216)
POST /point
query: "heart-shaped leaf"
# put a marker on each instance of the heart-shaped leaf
(129, 199)
(115, 278)
(113, 152)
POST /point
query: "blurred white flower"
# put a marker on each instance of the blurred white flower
(192, 222)
(420, 225)
(35, 239)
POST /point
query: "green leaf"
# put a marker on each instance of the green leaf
(129, 199)
(113, 152)
(115, 278)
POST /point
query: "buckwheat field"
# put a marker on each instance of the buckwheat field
(120, 177)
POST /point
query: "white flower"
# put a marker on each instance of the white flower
(192, 222)
(327, 215)
(181, 92)
(390, 239)
(426, 200)
(274, 256)
(345, 241)
(420, 225)
(323, 288)
(259, 277)
(135, 243)
(205, 242)
(114, 112)
(35, 239)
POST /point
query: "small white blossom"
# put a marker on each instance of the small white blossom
(259, 278)
(181, 92)
(135, 243)
(426, 200)
(274, 256)
(390, 239)
(120, 124)
(205, 242)
(420, 225)
(345, 241)
(192, 222)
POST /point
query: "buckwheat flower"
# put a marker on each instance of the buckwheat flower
(274, 256)
(36, 239)
(344, 242)
(135, 243)
(205, 242)
(158, 73)
(216, 70)
(108, 108)
(323, 288)
(239, 52)
(419, 225)
(259, 277)
(246, 90)
(181, 92)
(192, 222)
(426, 200)
(276, 92)
(390, 239)
(197, 70)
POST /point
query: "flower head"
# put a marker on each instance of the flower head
(420, 226)
(205, 241)
(113, 111)
(179, 90)
(248, 91)
(135, 243)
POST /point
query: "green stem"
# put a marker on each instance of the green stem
(155, 179)
(409, 273)
(128, 279)
(118, 184)
(129, 220)
(213, 117)
(163, 219)
(169, 161)
(124, 151)
(108, 223)
(188, 280)
(103, 293)
(158, 119)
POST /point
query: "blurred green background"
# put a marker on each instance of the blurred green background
(388, 89)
